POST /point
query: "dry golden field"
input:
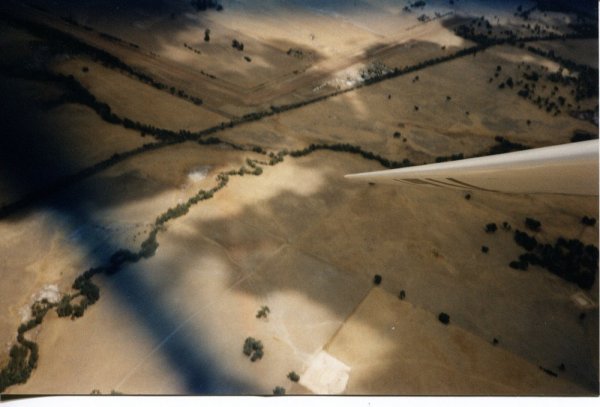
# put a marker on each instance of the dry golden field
(100, 152)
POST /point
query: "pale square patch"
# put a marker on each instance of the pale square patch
(325, 375)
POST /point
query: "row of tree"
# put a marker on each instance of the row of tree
(76, 46)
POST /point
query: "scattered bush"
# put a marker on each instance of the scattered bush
(485, 249)
(377, 279)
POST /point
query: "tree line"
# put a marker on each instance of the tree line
(74, 45)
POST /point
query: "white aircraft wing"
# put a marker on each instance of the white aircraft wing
(564, 169)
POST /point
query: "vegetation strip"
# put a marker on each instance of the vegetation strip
(75, 45)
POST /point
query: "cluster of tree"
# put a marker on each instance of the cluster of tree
(452, 157)
(86, 289)
(585, 82)
(23, 358)
(569, 259)
(253, 349)
(23, 355)
(374, 70)
(481, 31)
(554, 102)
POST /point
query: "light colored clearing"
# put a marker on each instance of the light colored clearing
(49, 292)
(326, 375)
(198, 174)
(583, 301)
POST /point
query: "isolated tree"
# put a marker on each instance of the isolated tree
(279, 391)
(207, 35)
(491, 228)
(293, 376)
(253, 348)
(444, 318)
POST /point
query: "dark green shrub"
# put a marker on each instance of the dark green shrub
(491, 228)
(533, 224)
(444, 318)
(525, 241)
